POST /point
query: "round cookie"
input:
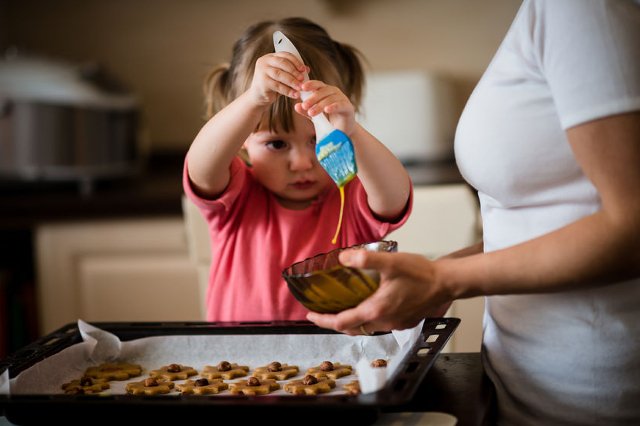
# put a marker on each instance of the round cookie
(379, 363)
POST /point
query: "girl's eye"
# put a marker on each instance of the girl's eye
(277, 145)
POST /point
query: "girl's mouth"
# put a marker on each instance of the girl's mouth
(303, 185)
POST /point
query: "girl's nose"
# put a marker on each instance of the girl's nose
(301, 159)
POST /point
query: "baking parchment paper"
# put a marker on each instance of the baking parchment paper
(197, 351)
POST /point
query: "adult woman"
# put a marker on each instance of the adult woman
(550, 138)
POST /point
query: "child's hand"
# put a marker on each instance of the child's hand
(276, 73)
(331, 101)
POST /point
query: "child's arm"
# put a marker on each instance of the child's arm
(383, 176)
(221, 138)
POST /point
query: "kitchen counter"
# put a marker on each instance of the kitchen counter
(457, 385)
(155, 191)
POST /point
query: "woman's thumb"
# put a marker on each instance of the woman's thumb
(362, 259)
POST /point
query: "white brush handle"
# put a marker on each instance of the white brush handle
(321, 123)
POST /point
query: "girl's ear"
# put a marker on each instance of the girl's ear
(244, 156)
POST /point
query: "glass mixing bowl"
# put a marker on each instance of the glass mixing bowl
(324, 285)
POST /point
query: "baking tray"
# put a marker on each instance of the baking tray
(113, 409)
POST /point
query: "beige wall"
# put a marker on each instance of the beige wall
(163, 48)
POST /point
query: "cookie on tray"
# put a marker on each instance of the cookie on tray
(310, 385)
(174, 372)
(225, 370)
(254, 386)
(379, 363)
(85, 386)
(276, 370)
(332, 370)
(352, 388)
(202, 386)
(150, 386)
(114, 371)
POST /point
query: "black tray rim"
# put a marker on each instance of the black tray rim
(399, 391)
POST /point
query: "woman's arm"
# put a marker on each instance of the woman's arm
(467, 251)
(596, 250)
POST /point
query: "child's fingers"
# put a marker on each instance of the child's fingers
(328, 103)
(280, 69)
(278, 81)
(288, 64)
(281, 78)
(324, 98)
(298, 108)
(338, 107)
(313, 85)
(292, 59)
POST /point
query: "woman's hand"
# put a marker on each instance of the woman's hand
(276, 74)
(409, 291)
(331, 101)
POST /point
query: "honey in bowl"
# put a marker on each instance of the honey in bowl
(324, 285)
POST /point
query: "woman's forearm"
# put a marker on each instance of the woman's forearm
(467, 251)
(591, 251)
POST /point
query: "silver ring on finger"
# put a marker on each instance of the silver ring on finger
(364, 331)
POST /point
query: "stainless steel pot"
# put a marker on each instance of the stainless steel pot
(64, 122)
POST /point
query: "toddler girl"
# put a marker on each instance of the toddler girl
(253, 173)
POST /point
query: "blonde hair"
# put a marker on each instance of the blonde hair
(332, 62)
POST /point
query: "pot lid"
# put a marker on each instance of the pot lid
(46, 80)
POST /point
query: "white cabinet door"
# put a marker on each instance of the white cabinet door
(445, 218)
(116, 270)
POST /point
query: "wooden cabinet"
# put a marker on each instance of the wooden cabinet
(115, 270)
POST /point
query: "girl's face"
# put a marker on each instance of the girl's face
(286, 163)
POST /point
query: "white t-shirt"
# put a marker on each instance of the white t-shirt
(572, 357)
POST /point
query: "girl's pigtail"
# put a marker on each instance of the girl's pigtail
(216, 90)
(353, 72)
(217, 93)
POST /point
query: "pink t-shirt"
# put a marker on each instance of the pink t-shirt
(253, 239)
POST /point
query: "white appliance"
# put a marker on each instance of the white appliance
(412, 112)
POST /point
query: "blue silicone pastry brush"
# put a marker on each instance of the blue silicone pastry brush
(333, 147)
